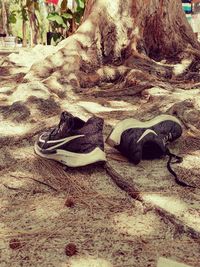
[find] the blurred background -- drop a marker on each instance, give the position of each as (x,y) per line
(31,22)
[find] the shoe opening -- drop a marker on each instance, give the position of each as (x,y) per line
(77,123)
(151,150)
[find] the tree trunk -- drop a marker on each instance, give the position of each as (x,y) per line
(157,27)
(34,25)
(121,42)
(34,28)
(24,41)
(4,17)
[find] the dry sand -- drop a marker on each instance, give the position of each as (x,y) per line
(45,207)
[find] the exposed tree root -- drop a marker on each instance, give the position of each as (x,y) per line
(181,227)
(188,114)
(119,49)
(135,193)
(136,74)
(130,189)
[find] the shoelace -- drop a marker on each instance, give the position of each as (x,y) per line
(167,138)
(53,131)
(178,160)
(49,136)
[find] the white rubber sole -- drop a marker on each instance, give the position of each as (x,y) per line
(115,135)
(71,159)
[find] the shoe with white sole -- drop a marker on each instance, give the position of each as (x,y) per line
(73,142)
(137,140)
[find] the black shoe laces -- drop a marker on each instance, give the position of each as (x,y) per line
(52,131)
(178,159)
(167,139)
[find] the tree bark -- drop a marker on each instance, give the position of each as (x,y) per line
(24,41)
(157,28)
(121,42)
(4,17)
(34,29)
(33,24)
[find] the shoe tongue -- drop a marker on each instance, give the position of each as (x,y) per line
(65,116)
(65,125)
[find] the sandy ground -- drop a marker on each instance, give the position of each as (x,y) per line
(45,207)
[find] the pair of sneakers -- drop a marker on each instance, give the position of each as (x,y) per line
(76,143)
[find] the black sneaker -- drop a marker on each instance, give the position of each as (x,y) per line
(144,140)
(147,140)
(73,142)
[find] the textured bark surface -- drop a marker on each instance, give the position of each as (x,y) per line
(133,44)
(157,28)
(4,17)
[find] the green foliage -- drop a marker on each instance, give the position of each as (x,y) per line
(23,13)
(12,17)
(54,16)
(59,20)
(79,10)
(24,7)
(57,37)
(80,4)
(67,16)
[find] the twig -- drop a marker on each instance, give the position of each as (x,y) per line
(40,182)
(11,188)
